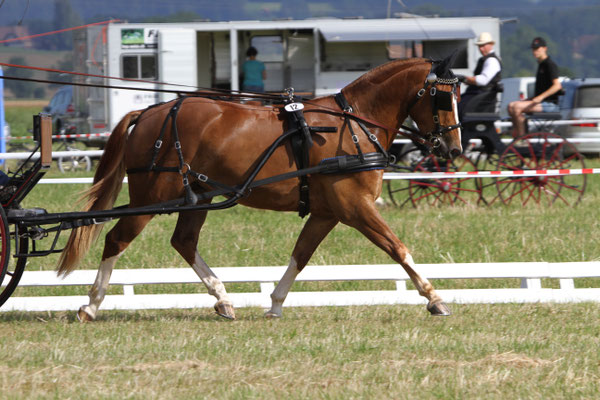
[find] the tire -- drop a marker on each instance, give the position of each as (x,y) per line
(12,269)
(4,245)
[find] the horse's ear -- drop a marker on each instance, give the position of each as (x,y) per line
(443,68)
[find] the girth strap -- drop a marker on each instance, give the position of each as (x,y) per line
(301,144)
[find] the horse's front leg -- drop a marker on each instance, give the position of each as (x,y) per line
(185,241)
(370,223)
(313,233)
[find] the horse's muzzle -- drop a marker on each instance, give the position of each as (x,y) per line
(455,152)
(449,152)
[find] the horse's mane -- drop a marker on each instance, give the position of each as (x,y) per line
(385,71)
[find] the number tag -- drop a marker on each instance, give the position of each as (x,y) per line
(294,107)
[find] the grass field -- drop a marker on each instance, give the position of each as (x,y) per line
(395,352)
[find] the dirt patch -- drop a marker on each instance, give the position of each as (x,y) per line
(143,367)
(507,359)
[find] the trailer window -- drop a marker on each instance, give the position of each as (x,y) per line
(139,66)
(270,48)
(405,49)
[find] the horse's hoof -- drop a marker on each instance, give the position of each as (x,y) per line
(439,309)
(272,315)
(83,316)
(225,310)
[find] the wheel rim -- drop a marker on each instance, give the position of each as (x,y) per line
(69,164)
(398,189)
(435,192)
(4,245)
(14,272)
(485,161)
(541,151)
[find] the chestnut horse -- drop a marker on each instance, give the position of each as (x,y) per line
(223,140)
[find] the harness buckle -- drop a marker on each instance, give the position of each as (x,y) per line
(372,137)
(290,93)
(178,145)
(433,91)
(436,119)
(421,92)
(355,139)
(158,144)
(202,178)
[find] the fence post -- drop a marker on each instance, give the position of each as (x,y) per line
(531,283)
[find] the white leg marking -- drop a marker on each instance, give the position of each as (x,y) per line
(213,284)
(455,109)
(282,289)
(423,282)
(100,286)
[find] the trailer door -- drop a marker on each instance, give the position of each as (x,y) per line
(177,60)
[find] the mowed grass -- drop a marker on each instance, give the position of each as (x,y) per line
(482,351)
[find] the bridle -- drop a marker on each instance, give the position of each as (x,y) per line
(440,100)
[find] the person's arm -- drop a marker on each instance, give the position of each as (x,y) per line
(490,68)
(556,86)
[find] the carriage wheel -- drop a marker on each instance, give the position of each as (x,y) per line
(74,164)
(4,245)
(539,151)
(12,268)
(398,188)
(443,191)
(485,161)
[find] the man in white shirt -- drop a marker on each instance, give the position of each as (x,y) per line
(486,76)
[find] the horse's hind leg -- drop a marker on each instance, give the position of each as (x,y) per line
(115,244)
(185,241)
(370,223)
(313,233)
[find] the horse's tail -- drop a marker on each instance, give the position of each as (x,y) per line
(108,180)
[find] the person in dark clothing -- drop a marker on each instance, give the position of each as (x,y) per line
(485,79)
(547,88)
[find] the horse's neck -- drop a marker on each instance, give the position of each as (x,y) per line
(386,99)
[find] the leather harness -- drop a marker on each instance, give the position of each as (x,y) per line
(299,133)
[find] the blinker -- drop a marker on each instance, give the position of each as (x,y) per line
(443,100)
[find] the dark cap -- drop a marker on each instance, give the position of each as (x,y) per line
(538,42)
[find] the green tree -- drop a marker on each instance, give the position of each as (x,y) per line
(517,58)
(20,89)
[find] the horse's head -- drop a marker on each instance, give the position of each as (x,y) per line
(435,110)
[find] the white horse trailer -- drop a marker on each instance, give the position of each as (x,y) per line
(316,56)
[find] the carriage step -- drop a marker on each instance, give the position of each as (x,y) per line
(28,212)
(544,115)
(480,116)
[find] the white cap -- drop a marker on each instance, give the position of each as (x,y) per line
(484,38)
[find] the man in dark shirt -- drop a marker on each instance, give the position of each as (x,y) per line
(547,87)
